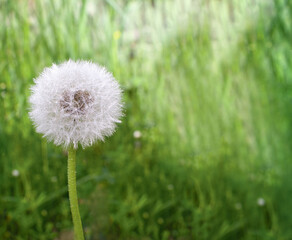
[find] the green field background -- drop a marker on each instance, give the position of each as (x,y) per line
(207,83)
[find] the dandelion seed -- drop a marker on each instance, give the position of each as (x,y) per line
(261,202)
(91,8)
(32,21)
(15,173)
(75,102)
(137,134)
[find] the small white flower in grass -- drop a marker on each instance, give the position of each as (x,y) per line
(75,102)
(15,173)
(137,134)
(261,202)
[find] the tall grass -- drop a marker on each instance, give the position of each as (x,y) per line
(208,84)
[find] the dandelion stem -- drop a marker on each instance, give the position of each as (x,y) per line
(78,231)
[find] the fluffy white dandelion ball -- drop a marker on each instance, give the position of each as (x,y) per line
(75,102)
(15,173)
(261,202)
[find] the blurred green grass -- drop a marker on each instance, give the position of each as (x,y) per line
(207,83)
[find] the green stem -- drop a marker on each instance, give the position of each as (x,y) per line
(78,231)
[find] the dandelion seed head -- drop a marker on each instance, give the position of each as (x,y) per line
(75,102)
(15,173)
(261,202)
(137,134)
